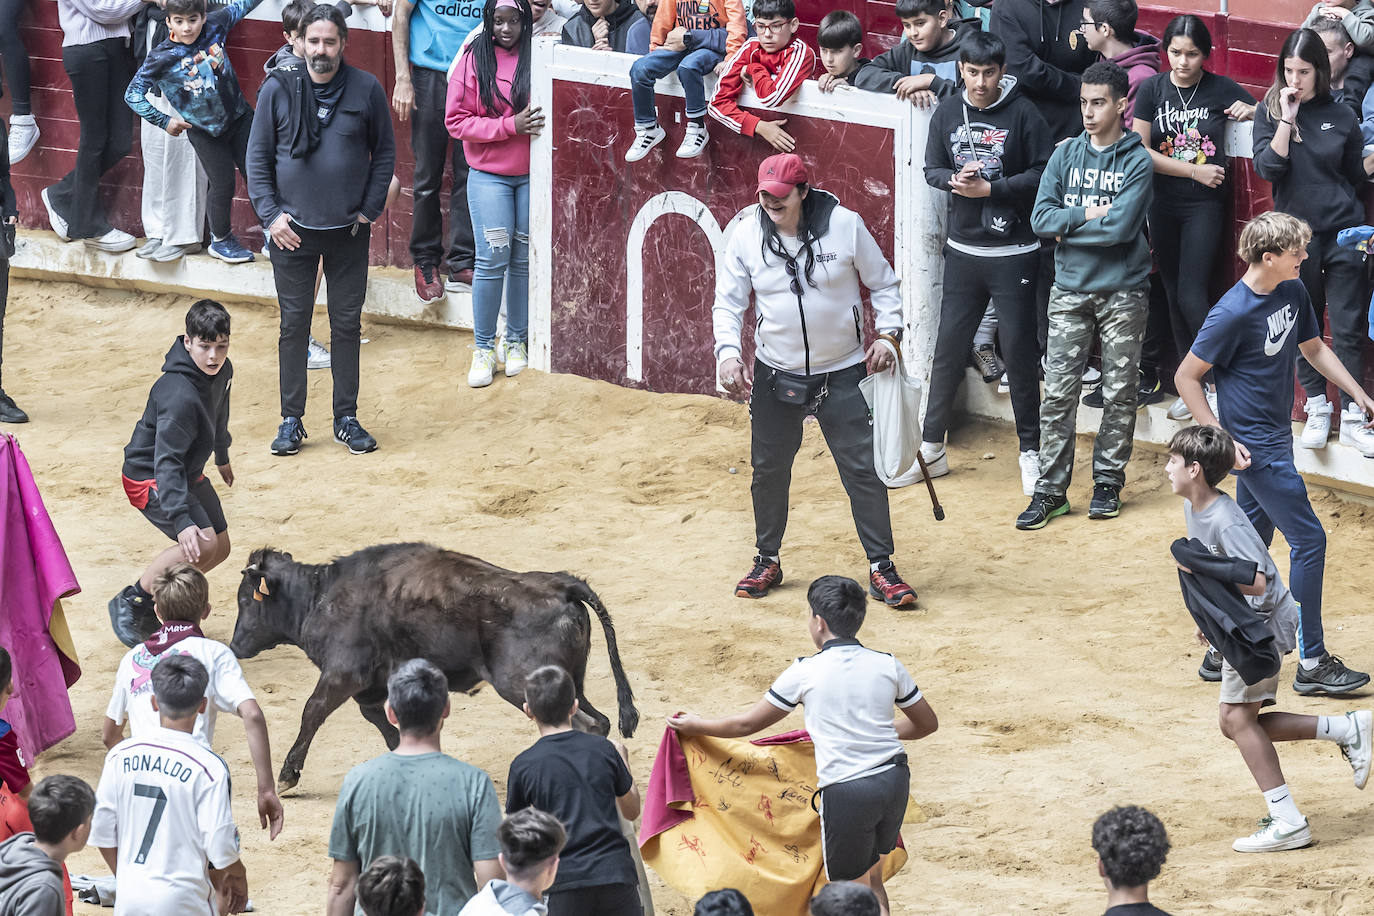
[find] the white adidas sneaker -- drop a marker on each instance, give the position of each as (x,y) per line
(693,141)
(645,140)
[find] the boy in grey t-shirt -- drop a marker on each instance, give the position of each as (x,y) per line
(1199,458)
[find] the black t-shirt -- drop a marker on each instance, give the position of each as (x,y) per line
(1135,909)
(1188,125)
(577,778)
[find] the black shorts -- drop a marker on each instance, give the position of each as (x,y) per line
(601,900)
(203,504)
(864,821)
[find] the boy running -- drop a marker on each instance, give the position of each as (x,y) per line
(1250,341)
(775,63)
(185,421)
(163,821)
(1200,458)
(847,692)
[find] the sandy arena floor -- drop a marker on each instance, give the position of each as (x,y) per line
(1061,663)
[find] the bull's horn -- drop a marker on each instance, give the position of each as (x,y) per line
(251,569)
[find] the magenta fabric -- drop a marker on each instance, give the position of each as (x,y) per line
(34,575)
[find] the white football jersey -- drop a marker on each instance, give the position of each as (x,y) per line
(133,690)
(163,800)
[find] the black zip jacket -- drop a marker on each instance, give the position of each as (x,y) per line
(896,62)
(1042,60)
(1013,143)
(186,420)
(1231,625)
(578,30)
(1318,179)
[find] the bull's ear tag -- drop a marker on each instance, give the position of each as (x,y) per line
(261,589)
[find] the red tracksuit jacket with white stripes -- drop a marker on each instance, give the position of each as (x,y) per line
(776,78)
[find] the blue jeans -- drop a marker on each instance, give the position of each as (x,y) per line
(500,208)
(691,67)
(1275,496)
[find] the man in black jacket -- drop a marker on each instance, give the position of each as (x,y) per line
(185,421)
(1047,54)
(987,146)
(602,24)
(317,183)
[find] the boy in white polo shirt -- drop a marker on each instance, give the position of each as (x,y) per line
(847,692)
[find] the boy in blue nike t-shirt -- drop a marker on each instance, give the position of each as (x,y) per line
(1250,343)
(191,69)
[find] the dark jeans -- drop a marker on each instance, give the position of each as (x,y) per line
(345,269)
(1185,235)
(1154,348)
(1012,284)
(776,436)
(219,156)
(4,300)
(16,56)
(99,72)
(1334,277)
(601,900)
(433,147)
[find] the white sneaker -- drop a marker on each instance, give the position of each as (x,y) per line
(1318,427)
(1274,836)
(1030,471)
(500,351)
(149,248)
(317,357)
(1092,376)
(59,225)
(517,358)
(645,140)
(1179,411)
(937,462)
(23,136)
(694,141)
(1003,386)
(482,369)
(1211,395)
(1353,432)
(1356,747)
(114,241)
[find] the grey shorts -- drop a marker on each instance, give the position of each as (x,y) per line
(861,820)
(1235,690)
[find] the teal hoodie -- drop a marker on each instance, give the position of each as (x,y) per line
(1108,253)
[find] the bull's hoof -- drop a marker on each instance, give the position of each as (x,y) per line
(286,781)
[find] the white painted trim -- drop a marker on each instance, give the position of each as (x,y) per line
(541,207)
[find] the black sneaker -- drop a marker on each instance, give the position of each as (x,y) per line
(1094,398)
(289,436)
(1042,508)
(1331,677)
(348,431)
(1210,669)
(984,359)
(1149,392)
(9,411)
(1106,501)
(131,617)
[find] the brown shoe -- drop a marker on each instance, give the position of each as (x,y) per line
(765,574)
(462,277)
(429,286)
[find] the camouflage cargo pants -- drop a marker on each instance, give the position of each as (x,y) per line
(1118,318)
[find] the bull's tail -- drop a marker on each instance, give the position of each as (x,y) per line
(625,698)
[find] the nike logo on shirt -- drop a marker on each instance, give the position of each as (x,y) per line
(1280,325)
(1327,125)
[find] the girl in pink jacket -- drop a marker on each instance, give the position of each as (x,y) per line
(489,110)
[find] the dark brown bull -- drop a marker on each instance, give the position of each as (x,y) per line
(362,615)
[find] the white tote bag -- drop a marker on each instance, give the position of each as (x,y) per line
(894,398)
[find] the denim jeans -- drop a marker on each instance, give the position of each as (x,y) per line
(500,208)
(691,67)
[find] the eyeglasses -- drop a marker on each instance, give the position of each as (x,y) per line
(790,266)
(1089,24)
(777,25)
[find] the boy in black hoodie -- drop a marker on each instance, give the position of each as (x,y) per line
(923,68)
(841,40)
(186,420)
(988,146)
(1047,54)
(31,863)
(602,24)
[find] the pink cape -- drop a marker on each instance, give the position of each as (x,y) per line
(34,576)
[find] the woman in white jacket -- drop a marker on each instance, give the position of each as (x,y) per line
(803,256)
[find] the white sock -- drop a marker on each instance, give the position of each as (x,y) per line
(1309,663)
(873,567)
(772,559)
(1282,807)
(1333,728)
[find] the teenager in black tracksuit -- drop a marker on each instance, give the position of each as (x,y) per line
(1307,145)
(988,146)
(1047,55)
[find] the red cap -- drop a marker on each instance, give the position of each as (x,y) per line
(779,174)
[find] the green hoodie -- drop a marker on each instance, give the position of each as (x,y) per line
(1108,253)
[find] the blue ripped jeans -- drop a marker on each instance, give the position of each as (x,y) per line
(691,67)
(500,208)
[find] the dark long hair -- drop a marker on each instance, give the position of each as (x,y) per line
(806,234)
(1306,45)
(1192,28)
(483,50)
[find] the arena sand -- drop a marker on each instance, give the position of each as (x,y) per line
(1061,663)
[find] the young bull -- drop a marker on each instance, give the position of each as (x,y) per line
(360,616)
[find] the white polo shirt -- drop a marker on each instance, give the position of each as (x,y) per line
(848,693)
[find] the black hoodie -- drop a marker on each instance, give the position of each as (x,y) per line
(186,420)
(902,60)
(30,881)
(578,30)
(1013,143)
(1040,56)
(1318,179)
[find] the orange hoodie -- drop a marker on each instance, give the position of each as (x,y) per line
(701,14)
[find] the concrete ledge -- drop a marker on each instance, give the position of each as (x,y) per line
(390,290)
(1337,466)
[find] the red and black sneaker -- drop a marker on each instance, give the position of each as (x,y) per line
(765,574)
(886,583)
